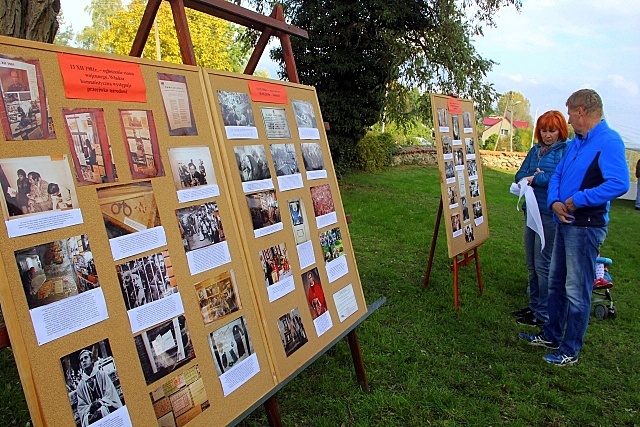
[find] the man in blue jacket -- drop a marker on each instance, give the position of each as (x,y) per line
(592,172)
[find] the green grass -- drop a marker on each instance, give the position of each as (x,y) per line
(428,365)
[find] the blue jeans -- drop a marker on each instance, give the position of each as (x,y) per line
(638,194)
(573,268)
(538,264)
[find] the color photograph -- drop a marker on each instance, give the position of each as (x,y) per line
(141,141)
(93,383)
(264,209)
(275,264)
(218,297)
(322,200)
(292,331)
(331,242)
(191,167)
(147,279)
(34,185)
(57,270)
(301,231)
(164,348)
(128,208)
(315,294)
(89,145)
(181,399)
(24,102)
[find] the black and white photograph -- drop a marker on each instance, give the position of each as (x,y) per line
(164,348)
(292,331)
(57,270)
(474,188)
(312,156)
(468,234)
(465,209)
(472,169)
(305,116)
(252,162)
(230,345)
(471,148)
(455,124)
(24,102)
(443,120)
(218,297)
(93,383)
(455,224)
(236,109)
(146,279)
(276,124)
(200,226)
(191,167)
(466,120)
(447,150)
(477,209)
(285,159)
(458,157)
(33,185)
(449,172)
(452,195)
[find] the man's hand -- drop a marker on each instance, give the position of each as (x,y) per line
(562,212)
(569,204)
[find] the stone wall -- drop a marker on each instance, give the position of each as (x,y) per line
(428,156)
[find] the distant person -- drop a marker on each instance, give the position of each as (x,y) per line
(97,396)
(592,172)
(541,161)
(638,186)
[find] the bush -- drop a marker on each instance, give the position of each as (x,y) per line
(375,151)
(490,143)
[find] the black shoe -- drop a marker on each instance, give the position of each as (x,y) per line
(530,320)
(522,312)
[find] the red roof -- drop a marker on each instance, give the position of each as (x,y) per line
(490,121)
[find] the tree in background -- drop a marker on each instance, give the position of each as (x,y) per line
(114,28)
(65,34)
(31,20)
(358,51)
(516,102)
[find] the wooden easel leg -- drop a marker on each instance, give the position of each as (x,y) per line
(150,12)
(273,413)
(456,302)
(478,272)
(358,363)
(432,251)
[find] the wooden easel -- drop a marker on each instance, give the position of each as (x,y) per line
(467,256)
(272,25)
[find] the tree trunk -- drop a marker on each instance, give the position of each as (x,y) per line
(30,19)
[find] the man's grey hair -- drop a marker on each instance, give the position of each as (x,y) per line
(587,99)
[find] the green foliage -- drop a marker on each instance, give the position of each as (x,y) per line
(375,151)
(357,53)
(490,143)
(522,139)
(65,35)
(515,102)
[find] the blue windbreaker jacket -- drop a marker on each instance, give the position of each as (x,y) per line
(593,171)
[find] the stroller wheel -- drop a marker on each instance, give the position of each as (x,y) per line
(600,311)
(613,313)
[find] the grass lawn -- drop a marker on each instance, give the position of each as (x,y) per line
(427,365)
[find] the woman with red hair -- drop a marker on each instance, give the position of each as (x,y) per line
(541,161)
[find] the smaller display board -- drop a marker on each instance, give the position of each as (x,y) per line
(460,166)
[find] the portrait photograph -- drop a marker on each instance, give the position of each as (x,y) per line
(275,264)
(177,104)
(455,222)
(322,200)
(146,279)
(200,226)
(465,209)
(305,115)
(164,348)
(292,331)
(141,142)
(466,120)
(180,399)
(230,345)
(24,102)
(252,162)
(92,383)
(312,156)
(331,242)
(57,270)
(36,185)
(191,167)
(314,292)
(89,145)
(468,234)
(285,160)
(218,297)
(128,208)
(455,122)
(236,109)
(264,210)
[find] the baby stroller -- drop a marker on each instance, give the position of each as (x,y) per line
(601,298)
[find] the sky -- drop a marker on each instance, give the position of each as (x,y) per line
(548,50)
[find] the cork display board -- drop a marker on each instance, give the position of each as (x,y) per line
(134,263)
(174,239)
(297,242)
(460,166)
